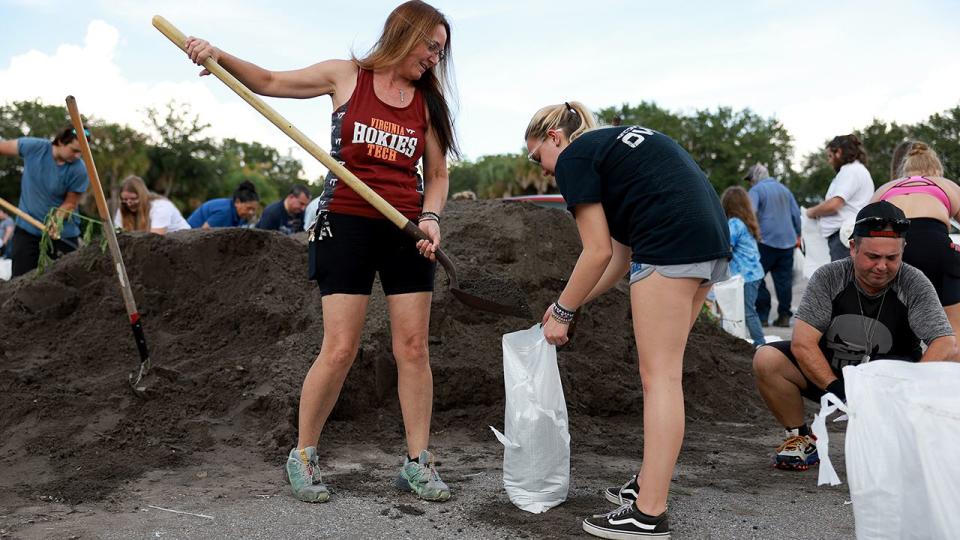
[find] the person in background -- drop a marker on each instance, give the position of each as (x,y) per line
(7,226)
(237,211)
(744,235)
(54,177)
(849,191)
(897,157)
(143,210)
(867,306)
(390,114)
(286,215)
(642,205)
(929,200)
(779,216)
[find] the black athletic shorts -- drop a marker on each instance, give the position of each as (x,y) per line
(352,249)
(812,391)
(930,250)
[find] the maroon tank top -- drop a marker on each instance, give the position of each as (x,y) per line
(380,144)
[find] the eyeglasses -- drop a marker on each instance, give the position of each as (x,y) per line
(85,131)
(532,157)
(129,200)
(434,47)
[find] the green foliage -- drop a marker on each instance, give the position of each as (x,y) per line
(941,131)
(176,160)
(724,142)
(501,175)
(25,119)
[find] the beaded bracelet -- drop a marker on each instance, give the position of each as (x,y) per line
(429,216)
(561,314)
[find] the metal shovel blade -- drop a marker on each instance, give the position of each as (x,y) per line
(480,292)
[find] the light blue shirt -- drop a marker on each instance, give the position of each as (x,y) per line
(778,213)
(45,184)
(746,255)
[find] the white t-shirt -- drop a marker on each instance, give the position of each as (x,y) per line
(855,186)
(163,215)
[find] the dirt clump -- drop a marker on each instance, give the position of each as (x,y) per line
(233,312)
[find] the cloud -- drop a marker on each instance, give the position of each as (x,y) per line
(89,73)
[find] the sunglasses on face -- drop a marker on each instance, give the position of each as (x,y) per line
(534,158)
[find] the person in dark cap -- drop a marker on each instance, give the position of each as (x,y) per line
(779,216)
(860,308)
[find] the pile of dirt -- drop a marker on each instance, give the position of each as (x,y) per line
(232,311)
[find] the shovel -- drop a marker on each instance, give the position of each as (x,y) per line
(460,290)
(137,379)
(31,220)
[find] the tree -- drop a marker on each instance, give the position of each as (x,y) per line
(724,142)
(182,161)
(26,119)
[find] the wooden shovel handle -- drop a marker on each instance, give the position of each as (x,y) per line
(104,211)
(26,217)
(341,172)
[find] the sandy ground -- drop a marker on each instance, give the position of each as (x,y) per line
(232,311)
(724,488)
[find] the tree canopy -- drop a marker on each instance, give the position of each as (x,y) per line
(174,156)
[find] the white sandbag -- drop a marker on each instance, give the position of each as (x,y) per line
(733,318)
(799,263)
(901,448)
(817,253)
(536,442)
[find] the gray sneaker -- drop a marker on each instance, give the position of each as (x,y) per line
(421,477)
(304,474)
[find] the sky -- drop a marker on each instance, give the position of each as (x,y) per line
(821,68)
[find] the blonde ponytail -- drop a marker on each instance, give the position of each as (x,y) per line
(572,117)
(921,160)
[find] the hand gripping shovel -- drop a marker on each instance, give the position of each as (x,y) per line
(31,220)
(137,379)
(517,307)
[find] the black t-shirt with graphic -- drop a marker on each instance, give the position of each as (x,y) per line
(888,325)
(655,197)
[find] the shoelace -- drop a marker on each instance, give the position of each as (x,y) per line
(793,443)
(624,509)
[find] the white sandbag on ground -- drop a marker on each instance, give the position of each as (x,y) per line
(536,442)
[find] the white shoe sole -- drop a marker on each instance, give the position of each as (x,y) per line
(617,535)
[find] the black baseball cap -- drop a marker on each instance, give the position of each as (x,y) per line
(880,220)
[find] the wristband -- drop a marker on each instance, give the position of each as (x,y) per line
(429,216)
(561,314)
(838,389)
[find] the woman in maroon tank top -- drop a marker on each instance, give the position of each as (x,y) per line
(390,110)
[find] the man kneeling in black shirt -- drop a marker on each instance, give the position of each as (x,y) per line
(854,310)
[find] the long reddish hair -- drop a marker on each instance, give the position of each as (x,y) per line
(736,203)
(406,27)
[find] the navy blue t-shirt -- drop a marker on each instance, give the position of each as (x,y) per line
(656,198)
(276,218)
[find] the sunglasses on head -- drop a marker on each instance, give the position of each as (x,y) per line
(879,224)
(86,131)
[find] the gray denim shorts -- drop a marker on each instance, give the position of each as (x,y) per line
(709,272)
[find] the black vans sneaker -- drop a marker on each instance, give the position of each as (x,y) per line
(626,523)
(627,493)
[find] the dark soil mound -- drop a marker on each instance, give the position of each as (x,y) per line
(231,311)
